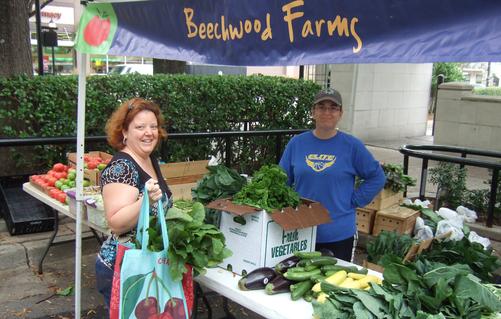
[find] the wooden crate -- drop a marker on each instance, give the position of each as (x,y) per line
(385,198)
(395,218)
(184,172)
(372,266)
(365,220)
(92,175)
(182,191)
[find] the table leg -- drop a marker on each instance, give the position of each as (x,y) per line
(200,294)
(96,235)
(227,309)
(51,240)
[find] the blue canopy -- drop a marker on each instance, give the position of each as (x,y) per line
(272,32)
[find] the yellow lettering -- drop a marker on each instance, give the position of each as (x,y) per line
(217,35)
(340,25)
(257,26)
(224,31)
(307,29)
(267,31)
(210,30)
(236,33)
(188,14)
(248,26)
(318,26)
(201,30)
(289,16)
(355,35)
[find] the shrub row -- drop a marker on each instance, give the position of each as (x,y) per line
(47,106)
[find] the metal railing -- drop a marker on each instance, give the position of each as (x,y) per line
(423,152)
(227,136)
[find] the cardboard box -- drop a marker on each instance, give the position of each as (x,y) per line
(385,198)
(365,220)
(92,175)
(260,239)
(183,176)
(395,218)
(184,172)
(182,191)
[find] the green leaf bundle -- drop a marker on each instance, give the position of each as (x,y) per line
(191,241)
(268,190)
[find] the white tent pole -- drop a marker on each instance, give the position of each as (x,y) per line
(81,58)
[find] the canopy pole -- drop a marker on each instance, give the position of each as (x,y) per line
(82,73)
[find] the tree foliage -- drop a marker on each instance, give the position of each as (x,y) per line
(452,73)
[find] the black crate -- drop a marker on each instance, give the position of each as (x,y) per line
(23,213)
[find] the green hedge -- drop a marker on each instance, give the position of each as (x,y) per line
(46,107)
(491,91)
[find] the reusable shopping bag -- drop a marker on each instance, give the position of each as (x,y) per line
(146,286)
(115,286)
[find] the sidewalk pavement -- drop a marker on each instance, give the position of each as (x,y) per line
(26,294)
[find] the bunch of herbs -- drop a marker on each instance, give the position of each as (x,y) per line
(268,190)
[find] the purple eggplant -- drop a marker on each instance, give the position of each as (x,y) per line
(287,263)
(278,285)
(257,279)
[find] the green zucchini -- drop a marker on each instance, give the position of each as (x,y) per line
(301,276)
(323,261)
(300,288)
(307,254)
(335,268)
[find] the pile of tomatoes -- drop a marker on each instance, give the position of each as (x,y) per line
(47,182)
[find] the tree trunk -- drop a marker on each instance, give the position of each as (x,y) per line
(15,46)
(168,66)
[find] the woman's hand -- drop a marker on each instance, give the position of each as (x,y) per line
(153,189)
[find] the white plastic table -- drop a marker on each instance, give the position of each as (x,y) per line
(278,306)
(63,209)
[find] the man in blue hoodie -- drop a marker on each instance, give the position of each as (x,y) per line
(322,165)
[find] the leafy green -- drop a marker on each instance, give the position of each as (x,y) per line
(396,180)
(268,190)
(483,262)
(388,244)
(220,182)
(191,241)
(421,290)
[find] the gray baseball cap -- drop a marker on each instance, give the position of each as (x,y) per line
(328,94)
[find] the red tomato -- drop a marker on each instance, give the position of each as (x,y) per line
(53,193)
(97,30)
(62,197)
(58,167)
(92,164)
(51,180)
(51,172)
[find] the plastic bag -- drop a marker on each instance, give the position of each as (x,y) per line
(213,161)
(473,237)
(451,216)
(421,231)
(417,202)
(445,226)
(470,216)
